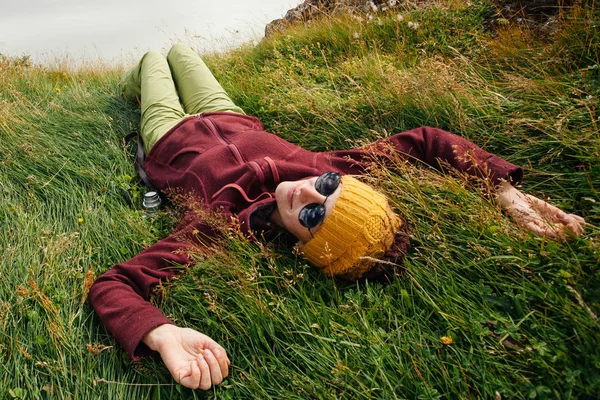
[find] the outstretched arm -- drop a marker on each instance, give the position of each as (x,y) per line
(439,148)
(120,299)
(435,147)
(537,215)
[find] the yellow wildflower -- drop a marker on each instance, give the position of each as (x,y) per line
(446,340)
(80,220)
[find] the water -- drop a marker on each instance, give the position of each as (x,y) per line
(122,30)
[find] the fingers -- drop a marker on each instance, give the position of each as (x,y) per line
(216,374)
(205,380)
(195,360)
(543,230)
(558,229)
(556,223)
(221,356)
(203,372)
(575,227)
(190,380)
(576,224)
(572,222)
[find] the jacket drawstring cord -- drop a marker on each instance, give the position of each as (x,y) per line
(241,191)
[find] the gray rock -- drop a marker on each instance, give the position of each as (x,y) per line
(309,9)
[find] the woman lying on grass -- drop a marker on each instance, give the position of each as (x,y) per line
(203,145)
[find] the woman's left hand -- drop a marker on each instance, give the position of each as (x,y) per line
(537,215)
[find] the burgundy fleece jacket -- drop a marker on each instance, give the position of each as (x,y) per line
(233,165)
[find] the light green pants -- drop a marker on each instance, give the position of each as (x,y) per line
(171,89)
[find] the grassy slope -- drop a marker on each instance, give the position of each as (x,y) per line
(521,310)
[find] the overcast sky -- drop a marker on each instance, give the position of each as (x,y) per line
(122,30)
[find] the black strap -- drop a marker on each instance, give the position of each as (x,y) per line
(140,157)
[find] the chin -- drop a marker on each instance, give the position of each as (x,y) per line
(281,195)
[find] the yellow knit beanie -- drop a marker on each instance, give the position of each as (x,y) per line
(360,228)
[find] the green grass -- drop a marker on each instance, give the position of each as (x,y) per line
(522,311)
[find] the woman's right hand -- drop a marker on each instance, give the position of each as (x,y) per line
(193,359)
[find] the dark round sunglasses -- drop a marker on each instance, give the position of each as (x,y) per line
(313,214)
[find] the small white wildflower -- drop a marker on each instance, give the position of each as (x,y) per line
(392,3)
(379,22)
(413,25)
(399,17)
(356,35)
(373,6)
(370,17)
(410,24)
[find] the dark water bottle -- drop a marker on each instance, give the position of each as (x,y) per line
(151,203)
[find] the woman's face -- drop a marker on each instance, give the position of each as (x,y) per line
(292,197)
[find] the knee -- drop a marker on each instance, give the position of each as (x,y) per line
(181,52)
(152,55)
(179,48)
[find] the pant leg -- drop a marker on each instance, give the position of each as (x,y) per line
(198,89)
(152,82)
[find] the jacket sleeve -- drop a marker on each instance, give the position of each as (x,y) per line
(120,296)
(437,148)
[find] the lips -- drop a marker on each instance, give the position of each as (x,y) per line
(291,196)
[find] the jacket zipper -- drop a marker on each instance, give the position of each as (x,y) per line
(213,129)
(232,147)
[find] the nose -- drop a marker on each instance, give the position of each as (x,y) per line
(308,194)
